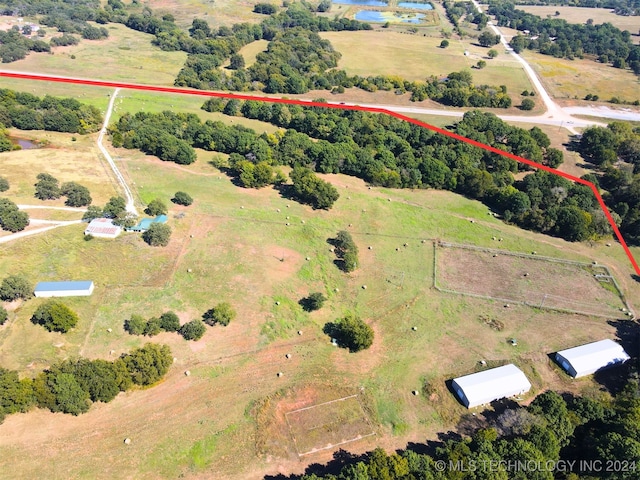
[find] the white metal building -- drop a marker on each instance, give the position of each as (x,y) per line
(589,358)
(103,228)
(485,387)
(64,289)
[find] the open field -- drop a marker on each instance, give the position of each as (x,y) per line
(249,52)
(415,57)
(126,55)
(569,79)
(581,15)
(528,279)
(228,418)
(220,12)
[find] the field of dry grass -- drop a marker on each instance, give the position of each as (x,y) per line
(262,253)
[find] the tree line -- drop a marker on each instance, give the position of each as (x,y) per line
(566,430)
(557,37)
(615,151)
(620,7)
(25,111)
(72,385)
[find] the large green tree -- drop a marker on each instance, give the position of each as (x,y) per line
(158,234)
(55,316)
(14,287)
(351,332)
(193,330)
(221,314)
(148,364)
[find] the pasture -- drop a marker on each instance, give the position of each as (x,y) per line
(415,57)
(263,252)
(573,79)
(127,55)
(580,15)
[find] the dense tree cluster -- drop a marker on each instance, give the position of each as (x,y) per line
(12,218)
(550,430)
(15,46)
(311,189)
(346,250)
(615,150)
(48,188)
(55,316)
(350,332)
(28,112)
(167,322)
(14,287)
(157,235)
(557,37)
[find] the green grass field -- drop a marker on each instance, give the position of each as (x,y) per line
(226,420)
(126,56)
(415,57)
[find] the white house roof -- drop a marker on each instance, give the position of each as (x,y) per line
(589,358)
(485,387)
(102,226)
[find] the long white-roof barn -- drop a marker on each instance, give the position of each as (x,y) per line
(485,387)
(589,358)
(64,289)
(103,228)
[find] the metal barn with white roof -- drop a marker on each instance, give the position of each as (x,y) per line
(102,228)
(485,387)
(64,289)
(589,358)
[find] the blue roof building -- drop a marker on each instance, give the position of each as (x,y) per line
(145,223)
(64,289)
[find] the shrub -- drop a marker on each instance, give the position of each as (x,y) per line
(313,302)
(153,327)
(4,184)
(527,104)
(135,325)
(169,322)
(221,314)
(444,43)
(193,330)
(182,198)
(55,316)
(3,315)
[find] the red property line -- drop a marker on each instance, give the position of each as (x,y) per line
(204,93)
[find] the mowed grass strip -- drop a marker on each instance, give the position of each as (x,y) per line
(127,55)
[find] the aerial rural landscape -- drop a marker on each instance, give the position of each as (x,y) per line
(319,240)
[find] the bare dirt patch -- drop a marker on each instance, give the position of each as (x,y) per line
(528,279)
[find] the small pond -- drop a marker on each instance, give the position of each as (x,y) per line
(416,6)
(366,3)
(392,17)
(25,144)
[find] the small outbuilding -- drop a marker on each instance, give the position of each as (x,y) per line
(102,228)
(485,387)
(145,223)
(64,289)
(589,358)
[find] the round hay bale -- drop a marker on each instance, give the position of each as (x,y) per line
(351,224)
(175,359)
(111,352)
(364,210)
(279,374)
(287,206)
(299,332)
(337,290)
(397,249)
(189,270)
(506,305)
(370,247)
(191,236)
(495,255)
(364,287)
(187,373)
(302,221)
(424,241)
(388,199)
(288,355)
(287,218)
(278,210)
(406,244)
(472,221)
(500,239)
(526,274)
(308,258)
(415,393)
(534,252)
(608,244)
(242,206)
(109,330)
(127,441)
(287,224)
(277,303)
(415,329)
(493,238)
